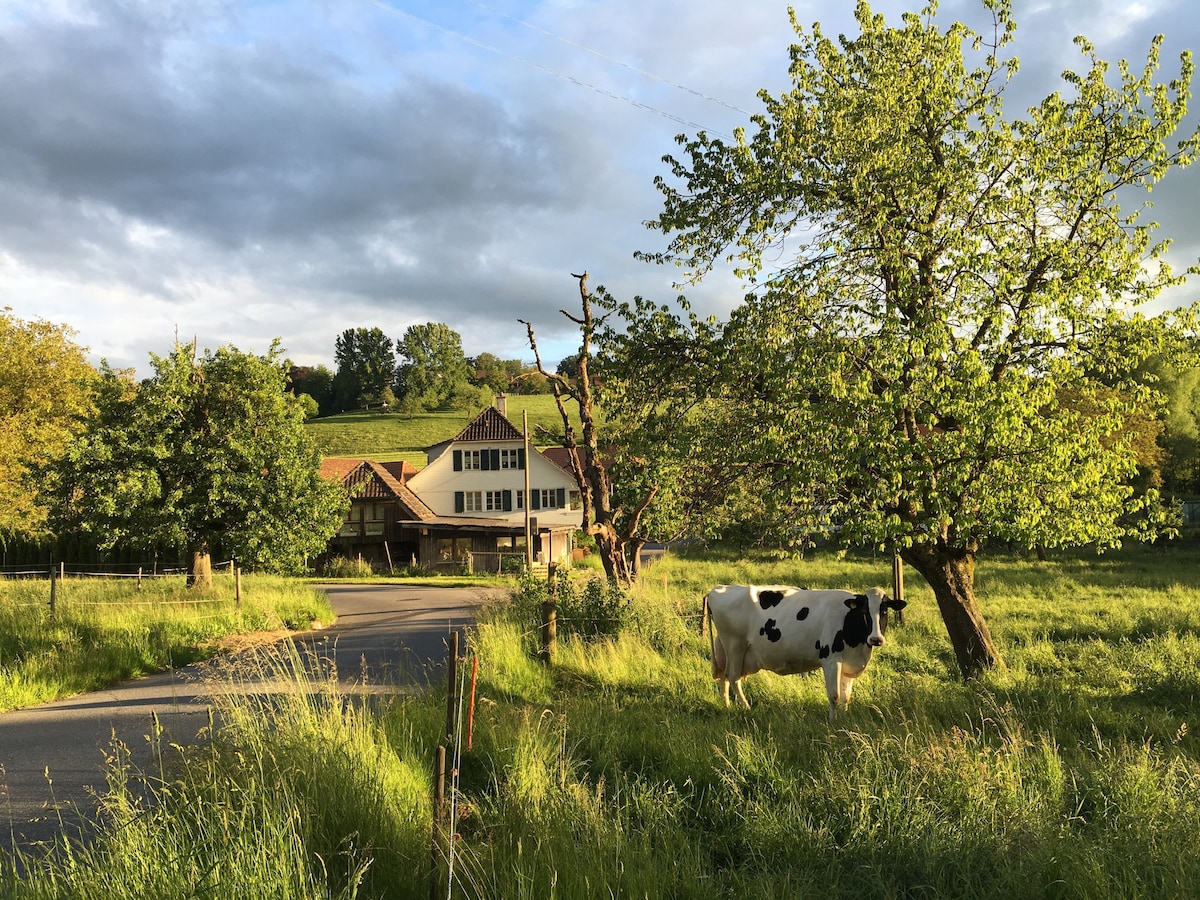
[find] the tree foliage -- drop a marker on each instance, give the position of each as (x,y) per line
(45,386)
(937,348)
(206,454)
(433,372)
(366,368)
(317,382)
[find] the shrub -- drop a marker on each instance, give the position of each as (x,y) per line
(340,567)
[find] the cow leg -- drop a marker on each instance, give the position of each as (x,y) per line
(847,687)
(833,685)
(734,663)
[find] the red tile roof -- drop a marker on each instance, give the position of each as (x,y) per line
(376,480)
(489,425)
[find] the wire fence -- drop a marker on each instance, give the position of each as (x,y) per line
(60,579)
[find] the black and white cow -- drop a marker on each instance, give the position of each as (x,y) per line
(788,630)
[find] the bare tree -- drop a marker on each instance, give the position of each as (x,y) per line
(615,526)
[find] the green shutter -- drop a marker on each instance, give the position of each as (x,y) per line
(460,502)
(535,498)
(458,461)
(521,458)
(561,497)
(495,455)
(507,501)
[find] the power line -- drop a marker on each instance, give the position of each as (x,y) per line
(638,104)
(611,59)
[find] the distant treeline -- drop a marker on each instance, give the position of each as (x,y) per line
(425,369)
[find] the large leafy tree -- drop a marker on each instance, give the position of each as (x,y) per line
(433,372)
(45,386)
(931,355)
(207,453)
(366,367)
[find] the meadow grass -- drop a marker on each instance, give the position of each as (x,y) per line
(1074,771)
(102,632)
(405,436)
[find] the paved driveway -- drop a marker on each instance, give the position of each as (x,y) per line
(52,756)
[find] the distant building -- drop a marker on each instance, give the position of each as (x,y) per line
(468,508)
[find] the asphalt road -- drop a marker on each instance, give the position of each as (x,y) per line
(52,757)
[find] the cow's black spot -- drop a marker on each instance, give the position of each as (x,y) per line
(838,643)
(768,599)
(772,633)
(802,614)
(856,627)
(822,651)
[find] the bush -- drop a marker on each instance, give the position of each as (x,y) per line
(340,567)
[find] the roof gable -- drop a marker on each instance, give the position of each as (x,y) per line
(490,425)
(370,480)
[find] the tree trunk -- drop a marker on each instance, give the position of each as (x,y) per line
(950,572)
(200,574)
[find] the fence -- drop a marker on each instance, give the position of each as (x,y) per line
(56,574)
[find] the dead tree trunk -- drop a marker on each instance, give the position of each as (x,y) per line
(612,525)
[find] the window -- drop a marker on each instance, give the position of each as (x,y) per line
(473,501)
(512,459)
(494,500)
(520,499)
(576,500)
(470,459)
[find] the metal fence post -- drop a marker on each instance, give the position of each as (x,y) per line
(53,590)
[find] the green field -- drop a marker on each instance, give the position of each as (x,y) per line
(385,437)
(1073,772)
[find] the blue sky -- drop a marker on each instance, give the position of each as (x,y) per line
(237,171)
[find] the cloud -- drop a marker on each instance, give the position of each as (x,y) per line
(244,170)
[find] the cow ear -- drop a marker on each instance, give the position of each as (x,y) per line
(896,604)
(858,601)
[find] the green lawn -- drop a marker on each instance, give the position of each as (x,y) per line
(1073,772)
(399,436)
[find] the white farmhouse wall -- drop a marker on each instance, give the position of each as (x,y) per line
(438,483)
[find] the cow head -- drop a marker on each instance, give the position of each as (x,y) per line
(867,616)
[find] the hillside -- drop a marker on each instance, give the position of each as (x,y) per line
(400,436)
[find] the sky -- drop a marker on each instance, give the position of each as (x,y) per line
(236,171)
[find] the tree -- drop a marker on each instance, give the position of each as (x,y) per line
(317,382)
(45,386)
(208,453)
(366,361)
(632,467)
(935,288)
(433,372)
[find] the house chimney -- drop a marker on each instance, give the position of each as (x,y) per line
(502,404)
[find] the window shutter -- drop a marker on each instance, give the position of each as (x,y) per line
(521,458)
(535,498)
(459,502)
(457,460)
(506,505)
(561,497)
(495,455)
(485,460)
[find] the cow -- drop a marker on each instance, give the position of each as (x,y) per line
(789,630)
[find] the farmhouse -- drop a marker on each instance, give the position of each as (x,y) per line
(468,508)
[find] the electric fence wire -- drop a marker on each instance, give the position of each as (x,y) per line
(637,104)
(457,761)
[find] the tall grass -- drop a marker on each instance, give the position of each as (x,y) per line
(102,632)
(1072,772)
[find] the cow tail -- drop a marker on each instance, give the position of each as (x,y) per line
(716,649)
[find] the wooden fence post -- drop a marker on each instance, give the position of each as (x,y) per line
(452,687)
(53,590)
(549,631)
(237,585)
(438,830)
(898,585)
(139,578)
